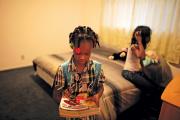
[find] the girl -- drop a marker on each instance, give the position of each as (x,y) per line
(80,74)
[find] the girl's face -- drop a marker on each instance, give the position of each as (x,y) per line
(82,54)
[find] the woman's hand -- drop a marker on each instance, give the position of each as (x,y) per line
(134,47)
(138,37)
(138,50)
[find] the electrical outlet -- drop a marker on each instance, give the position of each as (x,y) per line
(22,57)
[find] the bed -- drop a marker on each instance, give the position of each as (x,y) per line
(119,94)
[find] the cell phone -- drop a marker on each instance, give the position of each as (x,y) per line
(134,41)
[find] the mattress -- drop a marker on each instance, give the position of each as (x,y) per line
(119,94)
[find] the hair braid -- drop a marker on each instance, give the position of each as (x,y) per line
(82,33)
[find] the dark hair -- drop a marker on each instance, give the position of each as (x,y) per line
(82,33)
(145,34)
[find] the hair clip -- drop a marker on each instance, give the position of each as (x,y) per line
(77,50)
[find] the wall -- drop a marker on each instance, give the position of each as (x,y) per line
(31,28)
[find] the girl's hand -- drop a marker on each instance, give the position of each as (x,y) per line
(66,94)
(95,98)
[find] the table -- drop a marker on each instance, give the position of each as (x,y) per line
(170,109)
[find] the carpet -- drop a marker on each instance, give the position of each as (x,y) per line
(25,96)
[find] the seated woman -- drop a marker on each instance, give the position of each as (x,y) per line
(136,58)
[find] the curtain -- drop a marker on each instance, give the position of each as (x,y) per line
(121,17)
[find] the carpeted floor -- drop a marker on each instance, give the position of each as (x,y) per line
(25,97)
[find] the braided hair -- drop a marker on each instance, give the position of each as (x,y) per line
(82,33)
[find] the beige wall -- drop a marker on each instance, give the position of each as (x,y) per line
(31,28)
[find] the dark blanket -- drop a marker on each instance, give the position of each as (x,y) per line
(159,73)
